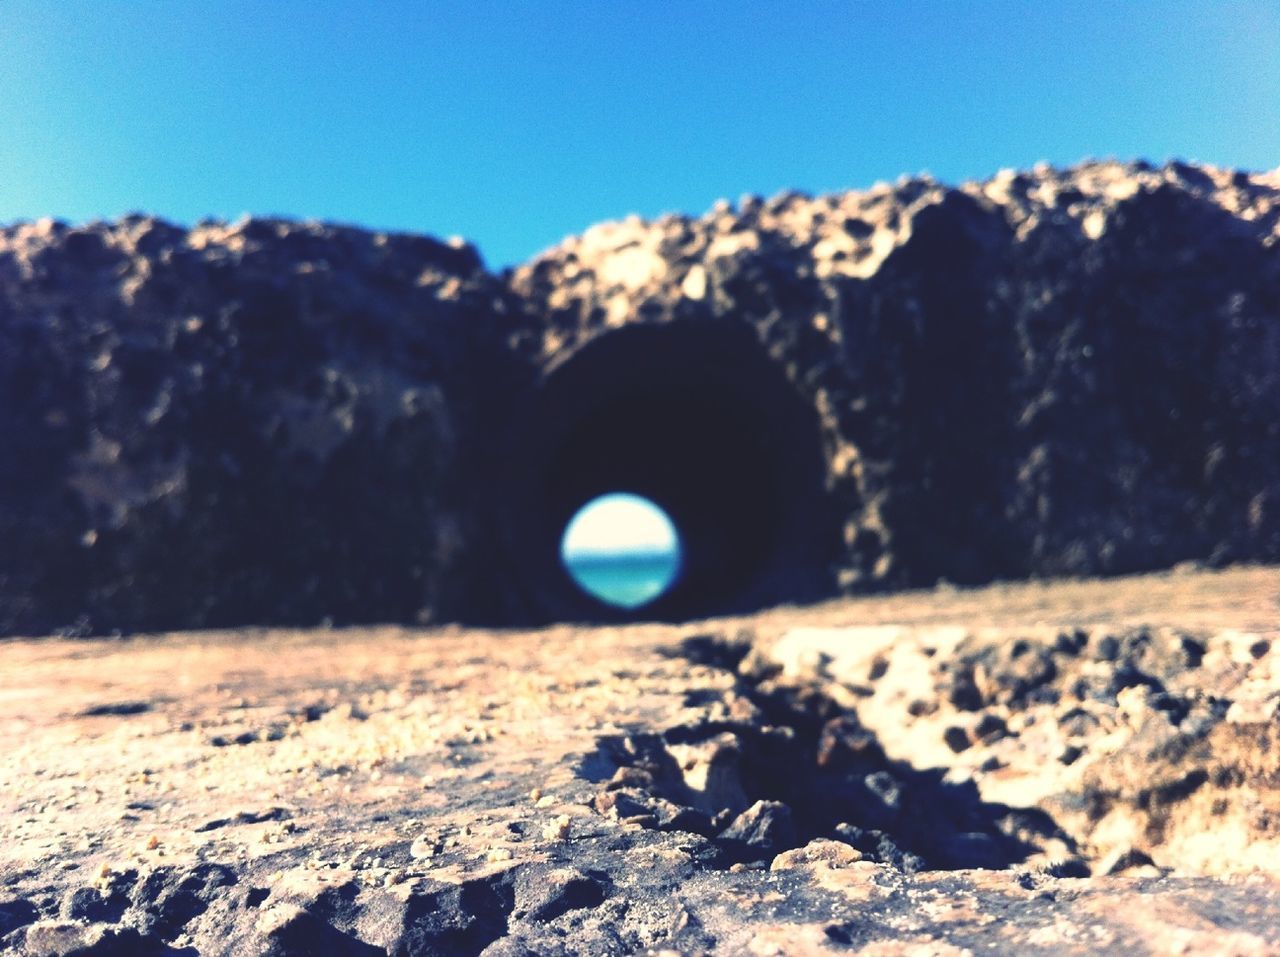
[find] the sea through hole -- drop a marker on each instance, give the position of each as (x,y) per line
(622,549)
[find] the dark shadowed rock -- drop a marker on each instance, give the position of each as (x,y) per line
(168,898)
(290,931)
(1067,371)
(15,914)
(94,904)
(62,939)
(267,421)
(762,830)
(543,895)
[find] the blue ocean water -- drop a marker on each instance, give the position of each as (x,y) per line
(627,580)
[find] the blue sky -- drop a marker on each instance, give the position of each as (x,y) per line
(515,124)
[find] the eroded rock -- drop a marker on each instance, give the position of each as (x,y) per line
(538,793)
(1063,371)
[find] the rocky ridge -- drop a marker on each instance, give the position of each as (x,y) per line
(1108,330)
(1057,372)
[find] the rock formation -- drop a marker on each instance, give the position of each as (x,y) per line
(1061,372)
(1073,768)
(260,422)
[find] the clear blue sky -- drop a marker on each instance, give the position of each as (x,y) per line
(514,124)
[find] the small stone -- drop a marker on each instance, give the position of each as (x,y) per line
(765,827)
(629,777)
(956,738)
(887,790)
(819,851)
(991,727)
(1067,867)
(694,284)
(558,829)
(424,847)
(350,711)
(1125,859)
(843,742)
(633,806)
(964,694)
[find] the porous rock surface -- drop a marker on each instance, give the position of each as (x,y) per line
(1054,372)
(265,421)
(1066,768)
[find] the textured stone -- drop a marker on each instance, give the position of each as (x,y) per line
(394,741)
(1063,371)
(762,830)
(60,939)
(257,422)
(818,851)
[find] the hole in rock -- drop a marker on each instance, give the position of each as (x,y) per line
(622,549)
(694,416)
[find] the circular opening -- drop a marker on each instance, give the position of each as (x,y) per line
(698,418)
(621,549)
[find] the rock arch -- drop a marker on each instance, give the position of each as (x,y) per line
(269,422)
(693,415)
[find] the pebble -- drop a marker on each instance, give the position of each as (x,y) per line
(956,738)
(1128,860)
(822,850)
(558,829)
(423,847)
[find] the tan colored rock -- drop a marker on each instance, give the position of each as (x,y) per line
(282,772)
(821,851)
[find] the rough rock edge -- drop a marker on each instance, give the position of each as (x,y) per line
(506,854)
(1111,330)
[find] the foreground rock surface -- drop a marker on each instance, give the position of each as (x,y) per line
(1055,372)
(1073,767)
